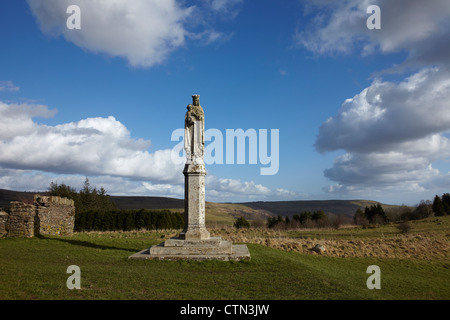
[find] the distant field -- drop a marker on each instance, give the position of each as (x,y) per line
(226,213)
(416,266)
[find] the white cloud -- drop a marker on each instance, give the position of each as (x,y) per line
(223,189)
(387,114)
(8,86)
(93,146)
(217,189)
(286,194)
(33,154)
(16,120)
(23,180)
(144,32)
(165,189)
(381,169)
(235,187)
(392,132)
(421,29)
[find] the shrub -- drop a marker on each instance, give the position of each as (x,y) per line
(241,223)
(375,214)
(273,221)
(404,227)
(360,218)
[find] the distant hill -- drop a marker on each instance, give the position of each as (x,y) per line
(289,208)
(132,202)
(222,213)
(228,212)
(6,196)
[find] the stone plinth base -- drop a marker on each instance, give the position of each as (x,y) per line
(207,249)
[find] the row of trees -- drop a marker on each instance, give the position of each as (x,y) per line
(305,219)
(127,220)
(87,199)
(95,210)
(374,214)
(441,205)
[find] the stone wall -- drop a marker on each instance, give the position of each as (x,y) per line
(55,215)
(4,217)
(47,216)
(21,220)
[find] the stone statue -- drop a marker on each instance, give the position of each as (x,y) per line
(195,241)
(194,132)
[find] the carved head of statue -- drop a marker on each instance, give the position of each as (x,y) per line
(196,99)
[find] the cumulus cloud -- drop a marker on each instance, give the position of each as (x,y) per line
(165,189)
(144,32)
(420,29)
(236,186)
(381,169)
(221,189)
(93,146)
(217,189)
(225,189)
(392,132)
(387,114)
(33,154)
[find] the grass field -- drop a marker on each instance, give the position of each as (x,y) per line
(282,266)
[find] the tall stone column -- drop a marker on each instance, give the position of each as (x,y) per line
(194,203)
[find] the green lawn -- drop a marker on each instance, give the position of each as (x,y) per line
(36,269)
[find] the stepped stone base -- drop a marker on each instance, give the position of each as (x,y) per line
(213,248)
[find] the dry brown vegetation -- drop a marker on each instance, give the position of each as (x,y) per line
(426,241)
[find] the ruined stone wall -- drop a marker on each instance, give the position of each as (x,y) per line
(54,215)
(47,216)
(21,220)
(4,217)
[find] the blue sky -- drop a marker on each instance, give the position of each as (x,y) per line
(361,114)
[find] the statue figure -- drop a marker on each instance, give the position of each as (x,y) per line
(194,132)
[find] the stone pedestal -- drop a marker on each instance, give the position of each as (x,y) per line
(213,248)
(194,203)
(194,242)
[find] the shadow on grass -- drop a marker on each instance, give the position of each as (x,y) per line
(86,244)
